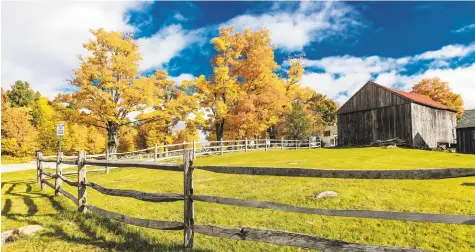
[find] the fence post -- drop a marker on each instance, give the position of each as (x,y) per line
(155,153)
(189,214)
(166,150)
(282,143)
(59,171)
(39,172)
(222,151)
(37,167)
(194,148)
(245,146)
(295,145)
(308,147)
(82,193)
(265,144)
(107,158)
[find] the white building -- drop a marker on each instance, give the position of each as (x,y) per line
(329,135)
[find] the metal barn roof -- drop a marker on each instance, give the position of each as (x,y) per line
(468,119)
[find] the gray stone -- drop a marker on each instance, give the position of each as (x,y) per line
(8,236)
(29,230)
(326,194)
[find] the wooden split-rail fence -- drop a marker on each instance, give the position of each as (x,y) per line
(170,151)
(241,233)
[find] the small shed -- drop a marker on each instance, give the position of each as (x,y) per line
(466,132)
(377,112)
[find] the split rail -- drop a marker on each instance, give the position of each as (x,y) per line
(241,233)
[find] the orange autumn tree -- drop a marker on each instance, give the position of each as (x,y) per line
(262,92)
(218,95)
(109,86)
(244,96)
(440,91)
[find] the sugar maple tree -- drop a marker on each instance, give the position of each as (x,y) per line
(109,86)
(218,94)
(173,103)
(244,95)
(440,91)
(262,93)
(18,135)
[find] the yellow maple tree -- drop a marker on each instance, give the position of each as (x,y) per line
(109,86)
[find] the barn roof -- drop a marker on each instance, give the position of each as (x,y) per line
(417,98)
(468,119)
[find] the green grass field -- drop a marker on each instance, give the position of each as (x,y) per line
(16,160)
(23,203)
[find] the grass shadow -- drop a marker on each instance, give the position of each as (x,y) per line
(7,207)
(25,196)
(467,184)
(95,230)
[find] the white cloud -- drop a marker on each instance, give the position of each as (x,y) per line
(447,52)
(167,43)
(342,76)
(345,64)
(292,30)
(42,44)
(467,28)
(179,17)
(182,77)
(41,41)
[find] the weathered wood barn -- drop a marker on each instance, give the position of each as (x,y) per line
(376,112)
(466,132)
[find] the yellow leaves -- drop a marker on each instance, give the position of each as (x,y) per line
(295,73)
(221,109)
(128,139)
(109,84)
(18,135)
(172,104)
(219,44)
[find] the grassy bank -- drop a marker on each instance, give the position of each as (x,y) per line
(16,160)
(23,203)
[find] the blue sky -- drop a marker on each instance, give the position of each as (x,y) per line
(345,43)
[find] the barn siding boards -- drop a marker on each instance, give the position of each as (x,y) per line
(371,96)
(466,140)
(431,126)
(378,113)
(364,127)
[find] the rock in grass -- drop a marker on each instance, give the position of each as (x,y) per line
(326,194)
(29,230)
(8,236)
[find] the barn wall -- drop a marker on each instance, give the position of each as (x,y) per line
(431,126)
(364,127)
(371,96)
(465,140)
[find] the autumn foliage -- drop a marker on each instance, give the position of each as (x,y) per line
(115,107)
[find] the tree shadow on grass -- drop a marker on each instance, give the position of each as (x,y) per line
(93,227)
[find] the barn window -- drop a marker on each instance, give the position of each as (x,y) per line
(326,133)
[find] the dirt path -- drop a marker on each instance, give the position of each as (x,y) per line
(26,166)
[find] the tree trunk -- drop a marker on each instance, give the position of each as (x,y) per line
(219,130)
(272,130)
(112,138)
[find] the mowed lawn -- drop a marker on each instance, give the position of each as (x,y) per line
(23,203)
